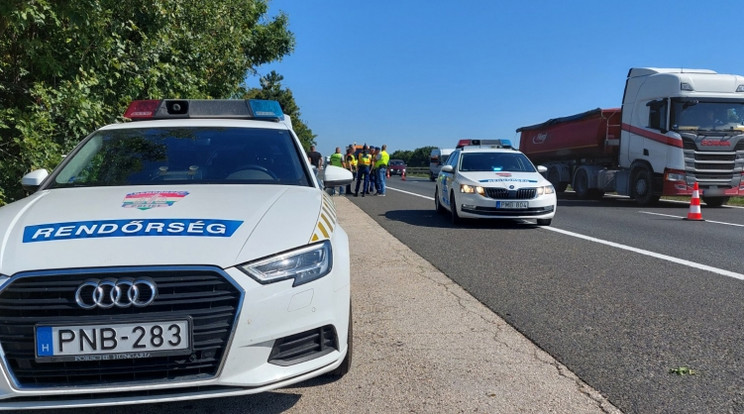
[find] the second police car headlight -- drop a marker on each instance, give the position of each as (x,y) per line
(471,189)
(303,265)
(548,189)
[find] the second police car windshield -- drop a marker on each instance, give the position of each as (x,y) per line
(184,155)
(495,161)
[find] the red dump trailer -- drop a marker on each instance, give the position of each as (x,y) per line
(592,134)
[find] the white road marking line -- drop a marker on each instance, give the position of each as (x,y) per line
(672,259)
(707,221)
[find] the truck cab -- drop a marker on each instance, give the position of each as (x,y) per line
(681,126)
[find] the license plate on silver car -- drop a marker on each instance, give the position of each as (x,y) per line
(512,204)
(112,341)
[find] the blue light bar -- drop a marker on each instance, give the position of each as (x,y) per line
(262,108)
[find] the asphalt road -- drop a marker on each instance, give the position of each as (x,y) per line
(642,305)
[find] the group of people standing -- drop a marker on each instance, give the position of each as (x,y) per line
(369,167)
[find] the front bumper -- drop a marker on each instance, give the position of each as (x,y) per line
(477,206)
(241,335)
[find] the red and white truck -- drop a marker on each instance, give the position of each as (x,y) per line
(676,127)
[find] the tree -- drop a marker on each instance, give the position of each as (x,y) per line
(271,88)
(67,68)
(420,157)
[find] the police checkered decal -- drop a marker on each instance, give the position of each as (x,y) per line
(326,220)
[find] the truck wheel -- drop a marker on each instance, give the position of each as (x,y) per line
(453,210)
(437,205)
(555,178)
(715,201)
(581,184)
(643,190)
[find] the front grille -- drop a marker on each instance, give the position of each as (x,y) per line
(714,168)
(504,193)
(304,346)
(203,294)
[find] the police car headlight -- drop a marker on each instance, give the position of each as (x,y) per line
(548,189)
(471,189)
(303,265)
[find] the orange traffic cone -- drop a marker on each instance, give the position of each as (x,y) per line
(403,177)
(388,172)
(695,213)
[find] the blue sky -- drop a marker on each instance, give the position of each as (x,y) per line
(417,73)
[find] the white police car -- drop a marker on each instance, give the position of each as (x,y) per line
(492,180)
(190,254)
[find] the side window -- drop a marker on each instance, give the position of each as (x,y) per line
(453,158)
(657,114)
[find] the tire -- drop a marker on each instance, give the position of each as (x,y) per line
(544,222)
(715,201)
(581,184)
(438,205)
(555,178)
(642,189)
(432,177)
(343,369)
(453,210)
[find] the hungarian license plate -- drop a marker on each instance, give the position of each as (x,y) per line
(112,341)
(512,204)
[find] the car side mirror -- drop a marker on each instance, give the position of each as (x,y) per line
(33,180)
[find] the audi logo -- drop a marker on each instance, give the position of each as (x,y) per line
(122,293)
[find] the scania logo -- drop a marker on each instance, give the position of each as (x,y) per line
(122,293)
(714,143)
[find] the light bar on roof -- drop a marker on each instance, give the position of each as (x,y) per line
(496,143)
(205,108)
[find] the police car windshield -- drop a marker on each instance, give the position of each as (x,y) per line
(495,161)
(184,156)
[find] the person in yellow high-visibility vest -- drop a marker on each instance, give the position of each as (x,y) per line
(381,165)
(364,163)
(351,164)
(337,159)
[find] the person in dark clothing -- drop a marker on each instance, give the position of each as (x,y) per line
(316,159)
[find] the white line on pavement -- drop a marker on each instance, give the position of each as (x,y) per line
(672,259)
(707,221)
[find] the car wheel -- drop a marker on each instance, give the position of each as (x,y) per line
(437,204)
(343,369)
(453,210)
(544,222)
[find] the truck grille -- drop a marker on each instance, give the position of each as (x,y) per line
(203,294)
(720,169)
(503,193)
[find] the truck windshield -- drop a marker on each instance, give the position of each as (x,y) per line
(702,115)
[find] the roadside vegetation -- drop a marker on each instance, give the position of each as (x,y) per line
(67,68)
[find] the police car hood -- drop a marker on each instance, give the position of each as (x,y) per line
(504,179)
(219,225)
